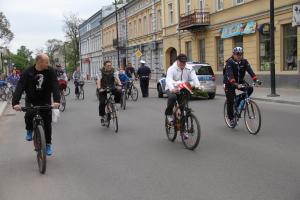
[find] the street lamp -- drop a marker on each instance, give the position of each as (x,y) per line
(272,51)
(117,30)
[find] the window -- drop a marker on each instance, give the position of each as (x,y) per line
(130,29)
(171,13)
(135,28)
(220,54)
(201,5)
(220,4)
(188,49)
(151,23)
(264,51)
(159,20)
(289,47)
(237,2)
(188,6)
(140,26)
(202,50)
(238,41)
(145,25)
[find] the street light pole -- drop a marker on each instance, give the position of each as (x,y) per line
(272,51)
(117,30)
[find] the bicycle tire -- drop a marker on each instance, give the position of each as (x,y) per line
(134,93)
(81,94)
(247,116)
(227,121)
(171,131)
(115,118)
(191,133)
(123,100)
(107,114)
(67,91)
(40,147)
(63,102)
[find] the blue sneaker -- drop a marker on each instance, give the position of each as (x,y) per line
(29,136)
(49,149)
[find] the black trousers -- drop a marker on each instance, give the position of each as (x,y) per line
(47,119)
(102,98)
(144,83)
(76,83)
(230,95)
(172,98)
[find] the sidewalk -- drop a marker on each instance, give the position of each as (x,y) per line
(287,96)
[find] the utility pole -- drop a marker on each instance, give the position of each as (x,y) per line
(272,51)
(117,30)
(178,19)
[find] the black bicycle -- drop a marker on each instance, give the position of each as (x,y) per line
(63,101)
(184,121)
(110,110)
(132,91)
(39,139)
(123,98)
(252,115)
(67,91)
(80,94)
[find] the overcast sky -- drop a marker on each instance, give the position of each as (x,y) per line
(35,21)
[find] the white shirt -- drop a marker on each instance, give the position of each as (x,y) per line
(176,75)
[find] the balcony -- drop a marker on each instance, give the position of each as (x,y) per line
(195,19)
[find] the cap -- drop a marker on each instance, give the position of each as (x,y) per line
(182,57)
(143,62)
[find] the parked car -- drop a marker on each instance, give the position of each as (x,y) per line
(205,75)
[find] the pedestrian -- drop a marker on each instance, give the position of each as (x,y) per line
(130,71)
(39,82)
(144,74)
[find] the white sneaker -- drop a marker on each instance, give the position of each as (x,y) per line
(170,118)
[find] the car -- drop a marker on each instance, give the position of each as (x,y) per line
(205,75)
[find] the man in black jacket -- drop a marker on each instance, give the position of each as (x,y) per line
(39,82)
(234,74)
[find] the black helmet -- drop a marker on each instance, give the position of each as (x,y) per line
(182,57)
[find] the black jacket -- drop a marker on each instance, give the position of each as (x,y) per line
(38,86)
(234,72)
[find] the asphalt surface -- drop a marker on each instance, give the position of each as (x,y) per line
(139,163)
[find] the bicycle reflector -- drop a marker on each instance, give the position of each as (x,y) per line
(186,86)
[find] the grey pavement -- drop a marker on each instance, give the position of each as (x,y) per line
(286,95)
(94,163)
(3,106)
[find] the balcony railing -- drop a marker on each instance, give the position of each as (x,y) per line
(194,19)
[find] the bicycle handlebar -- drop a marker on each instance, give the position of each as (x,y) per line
(46,107)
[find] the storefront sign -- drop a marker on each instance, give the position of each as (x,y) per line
(250,28)
(232,30)
(296,15)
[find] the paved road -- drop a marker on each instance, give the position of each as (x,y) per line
(139,163)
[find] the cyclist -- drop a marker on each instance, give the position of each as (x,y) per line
(77,76)
(39,82)
(178,72)
(123,77)
(107,78)
(61,77)
(234,74)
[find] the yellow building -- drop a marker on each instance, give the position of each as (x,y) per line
(209,29)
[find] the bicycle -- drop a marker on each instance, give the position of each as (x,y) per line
(63,101)
(39,139)
(80,94)
(132,91)
(123,98)
(67,91)
(184,120)
(250,109)
(110,110)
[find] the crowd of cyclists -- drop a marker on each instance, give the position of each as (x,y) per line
(40,81)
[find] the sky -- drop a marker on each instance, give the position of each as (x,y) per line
(33,22)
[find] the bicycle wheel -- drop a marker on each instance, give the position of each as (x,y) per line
(123,100)
(114,117)
(194,132)
(134,93)
(170,130)
(2,95)
(108,114)
(67,91)
(227,120)
(63,102)
(81,95)
(39,141)
(252,117)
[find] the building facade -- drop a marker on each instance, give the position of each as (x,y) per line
(207,31)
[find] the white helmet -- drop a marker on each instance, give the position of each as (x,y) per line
(238,50)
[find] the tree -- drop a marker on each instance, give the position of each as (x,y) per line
(23,58)
(53,45)
(71,29)
(5,33)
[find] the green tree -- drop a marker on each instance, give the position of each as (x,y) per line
(23,58)
(6,35)
(53,45)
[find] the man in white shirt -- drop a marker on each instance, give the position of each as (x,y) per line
(178,72)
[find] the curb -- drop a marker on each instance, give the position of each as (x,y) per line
(270,100)
(3,107)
